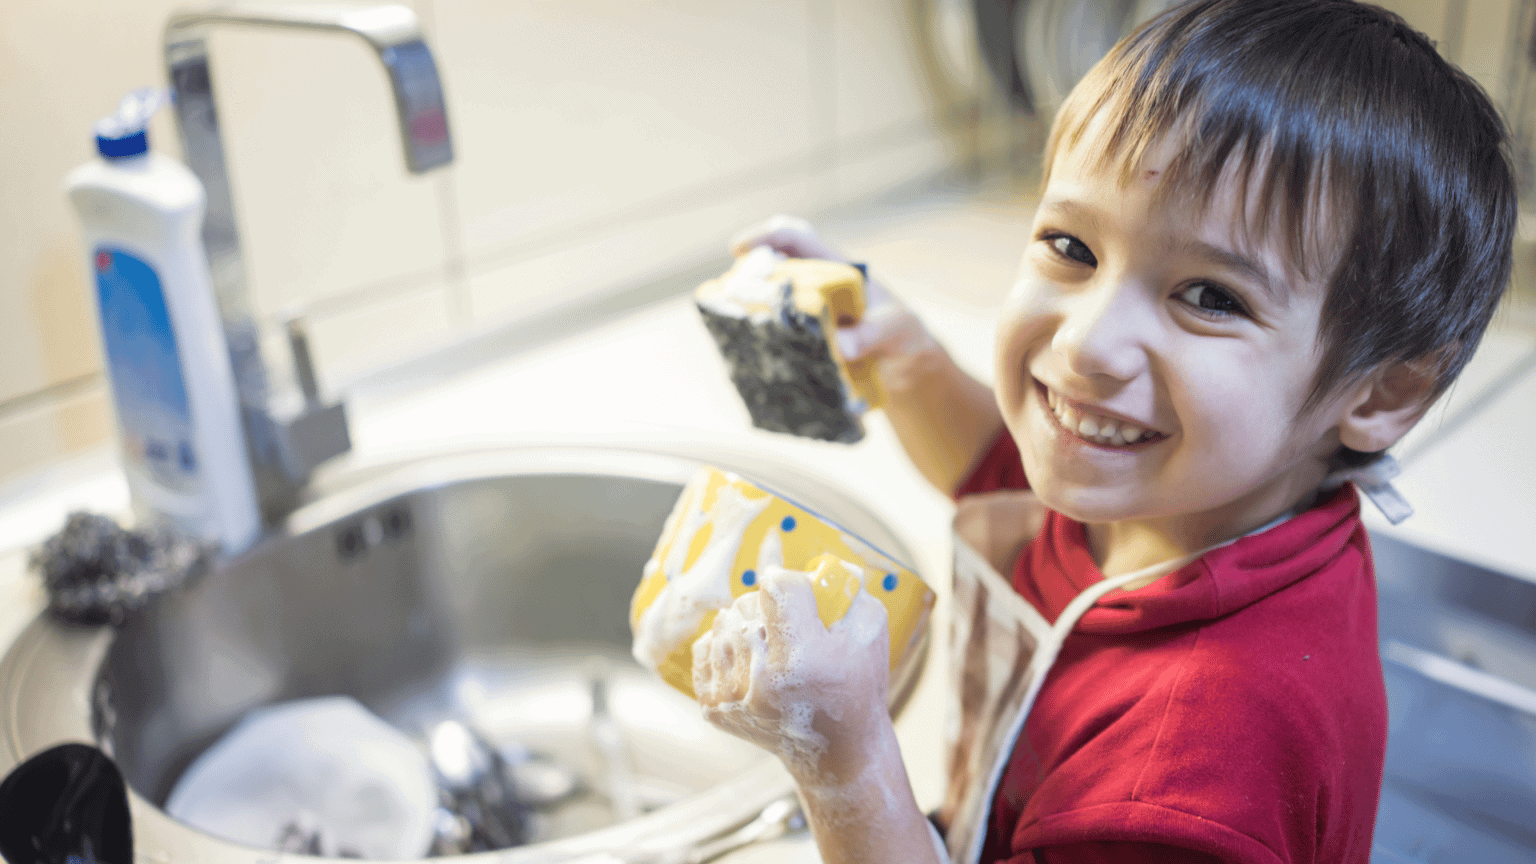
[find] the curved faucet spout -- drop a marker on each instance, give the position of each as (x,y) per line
(285,450)
(392,31)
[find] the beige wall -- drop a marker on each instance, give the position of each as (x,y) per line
(601,143)
(1475,34)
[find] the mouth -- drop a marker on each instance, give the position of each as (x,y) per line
(1096,429)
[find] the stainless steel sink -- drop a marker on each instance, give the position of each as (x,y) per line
(492,586)
(1459,654)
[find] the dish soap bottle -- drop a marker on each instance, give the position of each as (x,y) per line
(178,418)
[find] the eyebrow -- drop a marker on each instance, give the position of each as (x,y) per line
(1074,210)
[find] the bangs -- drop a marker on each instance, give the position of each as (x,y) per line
(1144,96)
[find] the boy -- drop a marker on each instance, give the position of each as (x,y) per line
(1271,233)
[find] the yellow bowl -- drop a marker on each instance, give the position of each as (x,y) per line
(721,532)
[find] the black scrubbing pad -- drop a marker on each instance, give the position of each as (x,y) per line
(96,572)
(785,372)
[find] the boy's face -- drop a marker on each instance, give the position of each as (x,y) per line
(1134,315)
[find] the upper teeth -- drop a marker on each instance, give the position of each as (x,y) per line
(1102,430)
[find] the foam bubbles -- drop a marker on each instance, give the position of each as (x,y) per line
(864,621)
(678,610)
(750,288)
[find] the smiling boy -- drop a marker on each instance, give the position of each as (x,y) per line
(1270,235)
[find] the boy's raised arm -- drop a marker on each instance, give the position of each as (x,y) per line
(943,417)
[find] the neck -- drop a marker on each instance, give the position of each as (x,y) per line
(1122,547)
(1135,544)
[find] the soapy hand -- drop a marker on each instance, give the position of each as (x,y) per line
(889,332)
(771,673)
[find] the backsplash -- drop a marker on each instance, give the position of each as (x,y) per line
(601,144)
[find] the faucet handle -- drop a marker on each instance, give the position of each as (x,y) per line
(319,431)
(303,363)
(419,99)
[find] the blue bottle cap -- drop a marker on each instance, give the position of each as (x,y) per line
(119,148)
(123,134)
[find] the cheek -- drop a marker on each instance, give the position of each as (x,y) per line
(1033,289)
(1234,414)
(1023,322)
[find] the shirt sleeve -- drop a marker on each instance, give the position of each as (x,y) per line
(1000,467)
(1117,853)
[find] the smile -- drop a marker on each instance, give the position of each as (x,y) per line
(1095,428)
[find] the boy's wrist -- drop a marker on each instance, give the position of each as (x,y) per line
(924,373)
(863,751)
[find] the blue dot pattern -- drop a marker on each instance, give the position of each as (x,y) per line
(788,524)
(889,582)
(749,578)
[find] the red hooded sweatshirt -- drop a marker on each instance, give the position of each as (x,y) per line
(1232,711)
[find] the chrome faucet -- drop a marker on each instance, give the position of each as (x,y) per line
(284,447)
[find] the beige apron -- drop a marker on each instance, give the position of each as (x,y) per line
(1000,650)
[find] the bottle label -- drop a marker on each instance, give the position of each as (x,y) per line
(145,367)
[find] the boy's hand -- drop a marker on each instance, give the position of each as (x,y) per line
(771,673)
(787,235)
(900,345)
(998,524)
(943,417)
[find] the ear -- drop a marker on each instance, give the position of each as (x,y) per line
(1385,404)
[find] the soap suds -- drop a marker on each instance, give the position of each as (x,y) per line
(750,288)
(678,610)
(771,552)
(864,621)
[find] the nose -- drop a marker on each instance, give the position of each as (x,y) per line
(1102,332)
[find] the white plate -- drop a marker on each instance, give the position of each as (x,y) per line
(325,763)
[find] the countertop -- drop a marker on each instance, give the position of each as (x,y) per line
(653,374)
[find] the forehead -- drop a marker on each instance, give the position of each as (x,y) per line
(1241,197)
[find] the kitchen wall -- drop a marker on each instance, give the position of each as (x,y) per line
(601,144)
(1474,34)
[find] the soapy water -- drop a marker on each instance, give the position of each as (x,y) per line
(770,672)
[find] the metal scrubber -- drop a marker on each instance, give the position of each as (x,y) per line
(777,348)
(96,572)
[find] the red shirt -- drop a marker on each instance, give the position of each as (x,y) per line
(1233,710)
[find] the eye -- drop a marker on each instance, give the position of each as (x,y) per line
(1212,301)
(1071,248)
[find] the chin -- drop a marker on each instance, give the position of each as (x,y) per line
(1090,506)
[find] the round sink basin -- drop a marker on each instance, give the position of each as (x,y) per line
(490,588)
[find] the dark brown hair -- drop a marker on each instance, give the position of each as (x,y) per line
(1325,107)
